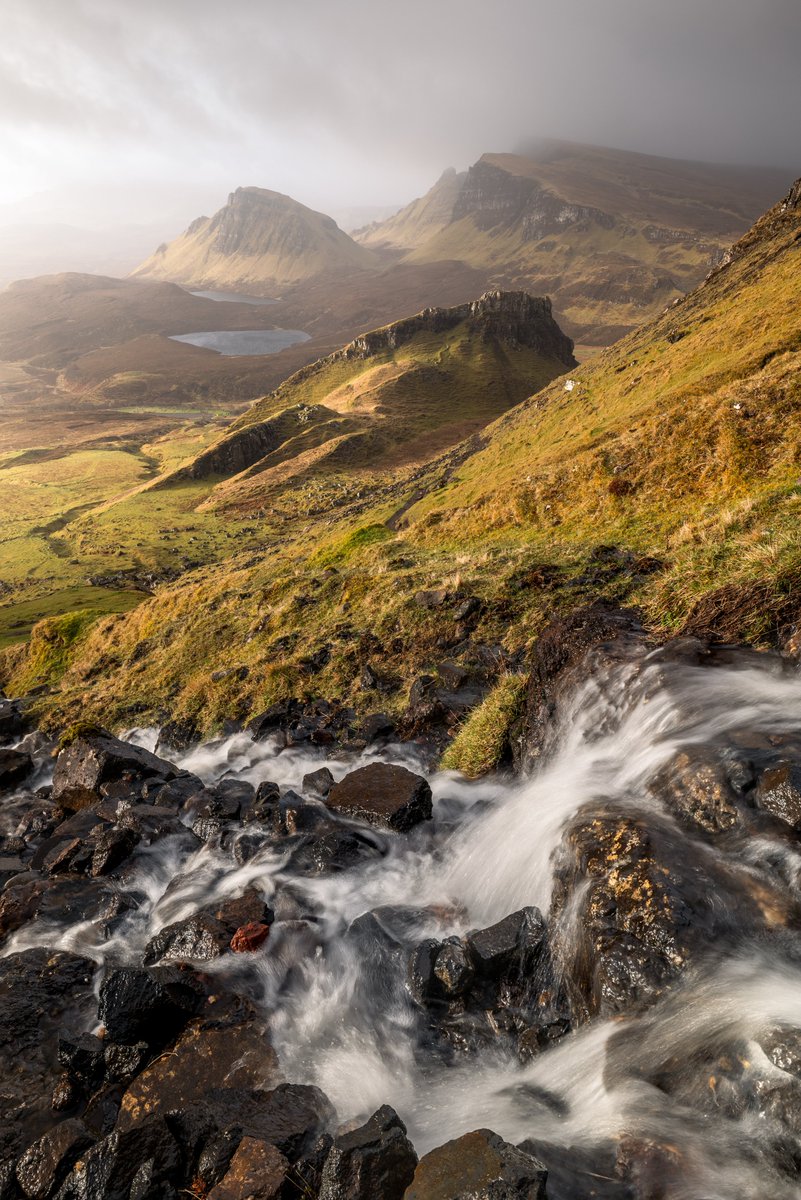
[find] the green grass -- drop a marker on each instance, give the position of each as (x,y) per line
(680,447)
(482,743)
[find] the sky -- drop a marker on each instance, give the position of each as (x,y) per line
(119,110)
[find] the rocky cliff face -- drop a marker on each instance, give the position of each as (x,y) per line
(514,317)
(494,197)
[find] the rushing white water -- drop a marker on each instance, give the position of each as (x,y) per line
(342,1018)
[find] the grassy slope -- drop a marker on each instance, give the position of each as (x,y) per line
(76,516)
(680,447)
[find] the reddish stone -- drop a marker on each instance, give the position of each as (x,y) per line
(249,937)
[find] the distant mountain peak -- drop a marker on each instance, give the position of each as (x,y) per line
(260,240)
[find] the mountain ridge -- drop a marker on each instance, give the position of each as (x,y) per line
(259,239)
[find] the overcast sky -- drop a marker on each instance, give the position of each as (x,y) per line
(152,103)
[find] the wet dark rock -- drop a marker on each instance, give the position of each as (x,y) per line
(318,783)
(290,1116)
(41,994)
(67,1094)
(44,1165)
(55,855)
(696,786)
(563,656)
(151,824)
(277,716)
(258,1171)
(28,897)
(82,1058)
(177,736)
(512,941)
(202,1059)
(267,791)
(478,1166)
(12,722)
(424,985)
(297,815)
(578,1172)
(14,767)
(177,794)
(122,1062)
(453,968)
(377,1159)
(200,938)
(147,1005)
(377,727)
(91,761)
(111,848)
(236,792)
(640,906)
(209,829)
(335,849)
(239,910)
(433,711)
(778,792)
(10,865)
(137,1164)
(385,795)
(101,1113)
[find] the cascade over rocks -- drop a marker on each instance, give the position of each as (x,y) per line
(565,654)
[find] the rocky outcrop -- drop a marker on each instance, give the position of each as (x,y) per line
(244,447)
(494,197)
(514,317)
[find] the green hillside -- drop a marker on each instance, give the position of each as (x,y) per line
(668,475)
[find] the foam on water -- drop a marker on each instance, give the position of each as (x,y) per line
(345,1022)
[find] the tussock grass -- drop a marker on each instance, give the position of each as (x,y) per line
(482,743)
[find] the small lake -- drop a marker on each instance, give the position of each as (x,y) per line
(235,342)
(232,298)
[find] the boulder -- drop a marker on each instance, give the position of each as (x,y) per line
(14,767)
(257,1172)
(383,794)
(12,724)
(239,1056)
(44,1164)
(695,786)
(147,1005)
(41,994)
(510,942)
(95,758)
(142,1162)
(318,783)
(778,792)
(289,1117)
(478,1166)
(377,1159)
(199,938)
(111,848)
